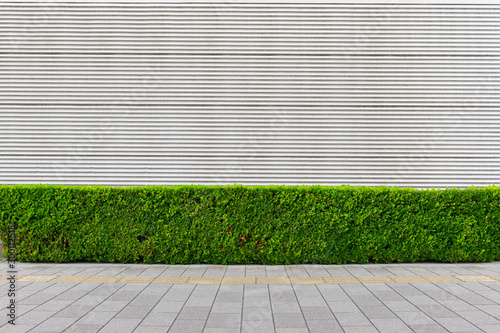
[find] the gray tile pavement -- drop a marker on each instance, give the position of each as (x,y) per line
(453,305)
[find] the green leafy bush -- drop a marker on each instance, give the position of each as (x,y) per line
(256,224)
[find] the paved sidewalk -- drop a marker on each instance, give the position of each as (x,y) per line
(124,298)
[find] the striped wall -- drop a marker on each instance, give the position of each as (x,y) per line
(223,92)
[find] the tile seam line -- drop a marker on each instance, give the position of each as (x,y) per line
(329,308)
(52,284)
(395,312)
(448,308)
(360,310)
(52,316)
(463,300)
(242,303)
(117,312)
(407,300)
(40,291)
(150,311)
(298,301)
(211,307)
(76,322)
(182,308)
(37,291)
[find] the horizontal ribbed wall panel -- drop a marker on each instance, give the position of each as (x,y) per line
(128,93)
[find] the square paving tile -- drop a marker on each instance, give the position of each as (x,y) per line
(257,326)
(428,329)
(227,307)
(96,318)
(123,295)
(111,306)
(187,326)
(291,330)
(120,325)
(322,326)
(263,302)
(352,319)
(360,329)
(415,318)
(166,306)
(34,317)
(133,312)
(159,319)
(229,296)
(80,328)
(257,314)
(456,324)
(151,329)
(235,271)
(400,306)
(221,330)
(289,320)
(54,325)
(176,296)
(377,312)
(54,305)
(255,271)
(489,328)
(200,301)
(224,320)
(74,311)
(437,311)
(337,307)
(194,312)
(215,271)
(492,310)
(317,313)
(391,326)
(478,317)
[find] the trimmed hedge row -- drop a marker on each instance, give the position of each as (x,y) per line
(256,224)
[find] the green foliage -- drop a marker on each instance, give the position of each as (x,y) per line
(251,225)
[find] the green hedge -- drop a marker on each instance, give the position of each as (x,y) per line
(257,224)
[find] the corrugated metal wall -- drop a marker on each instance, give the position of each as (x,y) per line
(250,93)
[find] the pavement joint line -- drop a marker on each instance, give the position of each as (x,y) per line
(211,306)
(297,299)
(346,292)
(150,311)
(52,298)
(426,292)
(405,297)
(466,301)
(130,301)
(256,280)
(183,305)
(89,311)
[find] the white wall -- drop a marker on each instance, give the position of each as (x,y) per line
(129,93)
